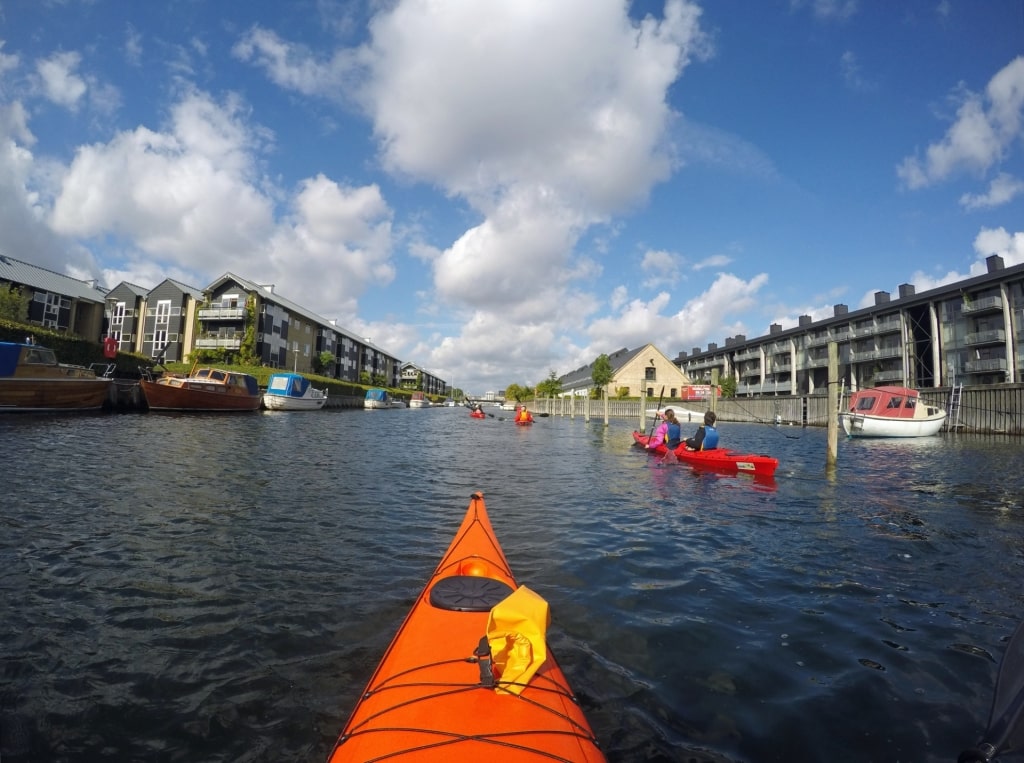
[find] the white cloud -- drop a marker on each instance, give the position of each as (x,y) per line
(828,9)
(1009,246)
(1002,190)
(852,73)
(984,129)
(59,81)
(660,268)
(294,66)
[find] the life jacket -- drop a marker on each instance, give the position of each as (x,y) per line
(672,436)
(710,438)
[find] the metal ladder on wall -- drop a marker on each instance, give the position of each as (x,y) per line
(953,412)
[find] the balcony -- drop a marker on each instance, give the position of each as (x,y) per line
(889,326)
(888,376)
(747,355)
(230,341)
(858,331)
(995,336)
(985,366)
(983,305)
(221,313)
(817,341)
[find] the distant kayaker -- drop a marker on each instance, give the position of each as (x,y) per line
(524,415)
(668,432)
(706,436)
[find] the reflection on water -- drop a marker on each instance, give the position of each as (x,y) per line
(220,588)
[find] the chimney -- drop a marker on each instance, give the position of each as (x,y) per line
(695,350)
(740,338)
(881,297)
(838,310)
(805,320)
(775,328)
(681,355)
(906,290)
(712,346)
(995,263)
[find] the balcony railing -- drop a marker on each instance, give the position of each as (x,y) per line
(983,305)
(221,313)
(888,376)
(220,341)
(995,336)
(983,366)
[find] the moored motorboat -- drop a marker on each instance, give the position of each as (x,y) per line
(420,400)
(468,676)
(292,392)
(32,380)
(891,412)
(203,389)
(718,459)
(376,398)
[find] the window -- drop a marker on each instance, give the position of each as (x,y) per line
(650,373)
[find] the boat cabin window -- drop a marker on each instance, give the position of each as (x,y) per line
(895,402)
(217,375)
(911,403)
(865,404)
(41,356)
(202,373)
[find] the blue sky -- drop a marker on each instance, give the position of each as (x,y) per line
(494,190)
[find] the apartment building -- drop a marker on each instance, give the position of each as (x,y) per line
(969,332)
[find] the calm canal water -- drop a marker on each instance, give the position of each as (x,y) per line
(219,588)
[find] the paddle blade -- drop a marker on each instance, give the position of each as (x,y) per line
(1005,727)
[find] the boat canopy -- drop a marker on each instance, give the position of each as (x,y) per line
(376,394)
(288,385)
(9,353)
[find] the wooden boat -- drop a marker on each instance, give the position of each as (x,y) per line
(718,459)
(420,400)
(292,392)
(891,412)
(203,389)
(31,379)
(435,697)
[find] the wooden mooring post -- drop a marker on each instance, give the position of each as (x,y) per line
(832,449)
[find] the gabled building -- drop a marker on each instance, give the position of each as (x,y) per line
(57,302)
(644,371)
(168,322)
(416,378)
(126,304)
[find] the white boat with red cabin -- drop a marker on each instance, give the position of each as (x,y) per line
(891,412)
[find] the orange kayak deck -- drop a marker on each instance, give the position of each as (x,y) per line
(427,700)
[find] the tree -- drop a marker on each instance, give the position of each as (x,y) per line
(602,372)
(550,387)
(13,304)
(323,362)
(514,392)
(728,387)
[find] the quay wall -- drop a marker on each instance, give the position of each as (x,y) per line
(986,409)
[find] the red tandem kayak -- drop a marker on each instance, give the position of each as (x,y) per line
(469,676)
(719,459)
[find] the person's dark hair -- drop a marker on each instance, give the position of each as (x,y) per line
(710,418)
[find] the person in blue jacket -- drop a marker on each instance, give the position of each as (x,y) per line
(706,436)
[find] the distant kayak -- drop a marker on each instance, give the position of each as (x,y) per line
(478,414)
(719,459)
(444,692)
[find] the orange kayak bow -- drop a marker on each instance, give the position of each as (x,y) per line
(437,695)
